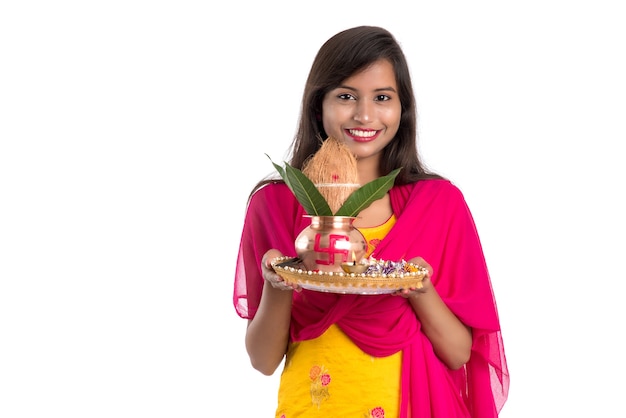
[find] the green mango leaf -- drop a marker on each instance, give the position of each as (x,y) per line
(307,194)
(304,190)
(280,170)
(314,202)
(367,194)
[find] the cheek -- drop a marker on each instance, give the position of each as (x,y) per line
(391,118)
(331,118)
(327,124)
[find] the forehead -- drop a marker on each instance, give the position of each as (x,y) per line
(379,74)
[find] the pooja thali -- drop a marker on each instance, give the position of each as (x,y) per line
(378,277)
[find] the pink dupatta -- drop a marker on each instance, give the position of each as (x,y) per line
(434,222)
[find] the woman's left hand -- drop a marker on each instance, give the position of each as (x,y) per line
(426,283)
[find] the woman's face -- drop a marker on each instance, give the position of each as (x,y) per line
(364,111)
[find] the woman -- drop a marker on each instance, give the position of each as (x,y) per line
(430,352)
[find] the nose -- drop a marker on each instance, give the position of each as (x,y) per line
(364,112)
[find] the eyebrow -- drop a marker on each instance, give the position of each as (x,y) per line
(381,89)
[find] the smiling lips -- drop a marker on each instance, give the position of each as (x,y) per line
(362,135)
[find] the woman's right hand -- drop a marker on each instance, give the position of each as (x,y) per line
(270,275)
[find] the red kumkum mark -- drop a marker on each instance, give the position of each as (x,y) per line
(332,249)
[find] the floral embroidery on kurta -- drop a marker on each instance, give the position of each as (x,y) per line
(320,379)
(377,412)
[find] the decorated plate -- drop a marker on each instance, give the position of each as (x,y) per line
(374,277)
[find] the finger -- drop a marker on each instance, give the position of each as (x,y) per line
(269,257)
(422,263)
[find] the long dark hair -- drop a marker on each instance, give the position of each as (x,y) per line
(341,56)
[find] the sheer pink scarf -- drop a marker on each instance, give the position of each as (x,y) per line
(434,222)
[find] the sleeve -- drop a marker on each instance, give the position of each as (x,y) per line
(463,281)
(435,223)
(272,218)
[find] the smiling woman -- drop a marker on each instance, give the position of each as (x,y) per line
(115,116)
(430,349)
(364,109)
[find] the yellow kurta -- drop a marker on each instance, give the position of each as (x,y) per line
(330,376)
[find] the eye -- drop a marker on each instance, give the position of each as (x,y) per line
(382,98)
(346,96)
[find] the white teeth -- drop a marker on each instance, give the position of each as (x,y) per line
(362,134)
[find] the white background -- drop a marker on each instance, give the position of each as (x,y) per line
(132,131)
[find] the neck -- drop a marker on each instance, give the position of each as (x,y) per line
(368,169)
